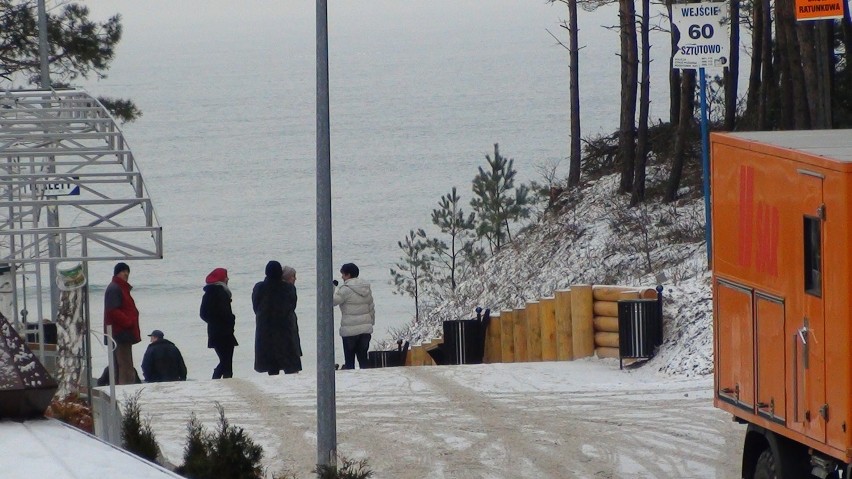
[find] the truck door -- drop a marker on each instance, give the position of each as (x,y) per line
(810,408)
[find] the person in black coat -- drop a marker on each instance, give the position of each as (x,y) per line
(162,360)
(216,312)
(276,345)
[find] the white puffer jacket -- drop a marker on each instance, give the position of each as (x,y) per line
(358,313)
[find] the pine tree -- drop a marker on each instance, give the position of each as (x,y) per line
(78,48)
(136,433)
(235,454)
(414,267)
(459,248)
(196,457)
(229,452)
(494,203)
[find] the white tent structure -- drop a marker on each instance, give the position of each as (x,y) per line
(70,192)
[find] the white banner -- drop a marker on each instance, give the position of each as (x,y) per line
(702,40)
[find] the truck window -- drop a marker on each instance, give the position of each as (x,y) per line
(813,256)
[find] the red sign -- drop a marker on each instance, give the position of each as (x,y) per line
(818,9)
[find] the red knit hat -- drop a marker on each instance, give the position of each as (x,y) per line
(218,275)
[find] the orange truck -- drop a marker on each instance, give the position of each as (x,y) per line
(782,298)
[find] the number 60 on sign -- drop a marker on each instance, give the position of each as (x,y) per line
(702,41)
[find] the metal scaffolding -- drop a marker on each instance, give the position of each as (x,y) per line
(70,191)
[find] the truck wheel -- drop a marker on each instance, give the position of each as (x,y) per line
(765,466)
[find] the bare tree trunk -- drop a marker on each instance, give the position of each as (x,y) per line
(674,74)
(754,78)
(846,25)
(825,69)
(685,121)
(629,78)
(644,102)
(784,117)
(732,73)
(573,53)
(805,47)
(768,74)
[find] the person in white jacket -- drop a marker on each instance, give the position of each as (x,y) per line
(358,315)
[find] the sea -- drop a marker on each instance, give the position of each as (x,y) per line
(420,92)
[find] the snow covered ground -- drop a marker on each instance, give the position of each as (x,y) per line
(47,448)
(577,419)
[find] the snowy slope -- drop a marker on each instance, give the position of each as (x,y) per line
(595,239)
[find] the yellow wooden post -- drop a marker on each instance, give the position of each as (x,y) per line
(564,331)
(414,355)
(581,321)
(533,331)
(521,335)
(507,336)
(493,346)
(547,315)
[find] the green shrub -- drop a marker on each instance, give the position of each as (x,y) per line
(349,469)
(136,433)
(196,457)
(227,452)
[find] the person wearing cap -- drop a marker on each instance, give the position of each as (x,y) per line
(276,342)
(162,360)
(120,312)
(358,315)
(217,313)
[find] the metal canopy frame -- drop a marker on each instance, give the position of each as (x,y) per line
(53,142)
(61,140)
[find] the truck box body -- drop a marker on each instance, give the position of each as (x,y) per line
(782,256)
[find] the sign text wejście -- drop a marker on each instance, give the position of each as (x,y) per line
(701,11)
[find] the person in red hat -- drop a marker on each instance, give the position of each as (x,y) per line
(217,313)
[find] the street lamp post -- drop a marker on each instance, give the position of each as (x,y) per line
(326,408)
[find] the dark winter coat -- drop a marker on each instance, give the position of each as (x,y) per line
(163,362)
(120,312)
(216,312)
(276,345)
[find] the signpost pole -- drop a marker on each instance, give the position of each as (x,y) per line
(705,163)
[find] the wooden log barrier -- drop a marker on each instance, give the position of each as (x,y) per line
(493,345)
(520,316)
(583,330)
(412,357)
(614,293)
(547,317)
(648,293)
(507,336)
(605,308)
(604,352)
(533,331)
(607,324)
(564,330)
(418,354)
(606,340)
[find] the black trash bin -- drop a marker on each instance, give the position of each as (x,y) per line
(387,359)
(464,340)
(640,328)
